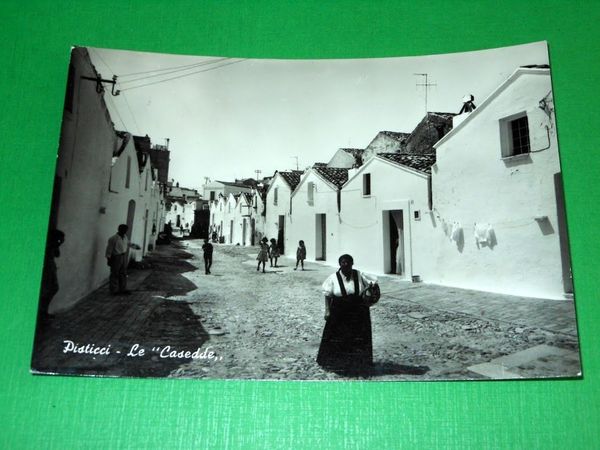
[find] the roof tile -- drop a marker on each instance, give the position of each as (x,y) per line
(421,163)
(334,175)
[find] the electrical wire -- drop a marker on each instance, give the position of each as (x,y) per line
(206,63)
(182,76)
(117,111)
(131,113)
(169,68)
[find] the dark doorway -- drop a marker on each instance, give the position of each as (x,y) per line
(130,218)
(396,242)
(320,237)
(281,235)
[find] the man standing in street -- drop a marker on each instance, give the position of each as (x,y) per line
(208,251)
(117,251)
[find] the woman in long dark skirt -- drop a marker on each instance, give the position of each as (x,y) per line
(347,344)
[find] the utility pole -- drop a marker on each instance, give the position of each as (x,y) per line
(426,84)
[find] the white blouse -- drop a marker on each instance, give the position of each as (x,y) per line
(332,287)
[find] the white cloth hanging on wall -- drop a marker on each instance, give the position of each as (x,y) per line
(483,233)
(456,231)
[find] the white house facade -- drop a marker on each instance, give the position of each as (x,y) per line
(277,207)
(315,214)
(497,196)
(384,223)
(241,232)
(98,185)
(212,189)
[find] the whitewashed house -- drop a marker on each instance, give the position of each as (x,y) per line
(241,232)
(212,189)
(217,216)
(124,204)
(150,207)
(383,221)
(497,196)
(257,215)
(277,206)
(181,204)
(228,216)
(100,183)
(315,214)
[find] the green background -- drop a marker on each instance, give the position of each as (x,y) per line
(62,412)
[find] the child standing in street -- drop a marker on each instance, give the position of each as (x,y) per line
(263,254)
(273,252)
(300,255)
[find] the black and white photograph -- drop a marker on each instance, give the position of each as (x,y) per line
(376,219)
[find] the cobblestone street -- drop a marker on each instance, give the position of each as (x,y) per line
(268,326)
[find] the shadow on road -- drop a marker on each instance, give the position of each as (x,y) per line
(145,318)
(383,368)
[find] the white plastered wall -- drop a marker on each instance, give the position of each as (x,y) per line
(472,184)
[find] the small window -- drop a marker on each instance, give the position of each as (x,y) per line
(519,129)
(275,196)
(514,135)
(311,193)
(212,195)
(417,215)
(367,184)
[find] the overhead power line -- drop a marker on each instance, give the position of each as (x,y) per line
(205,63)
(166,68)
(182,76)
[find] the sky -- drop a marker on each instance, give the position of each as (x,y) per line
(228,117)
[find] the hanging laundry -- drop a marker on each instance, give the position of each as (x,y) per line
(456,232)
(482,233)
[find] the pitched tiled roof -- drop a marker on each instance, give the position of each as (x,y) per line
(354,151)
(445,115)
(334,175)
(396,135)
(229,183)
(422,163)
(291,178)
(125,136)
(175,192)
(142,143)
(248,197)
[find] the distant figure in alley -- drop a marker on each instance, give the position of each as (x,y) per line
(273,252)
(207,248)
(117,252)
(263,254)
(300,255)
